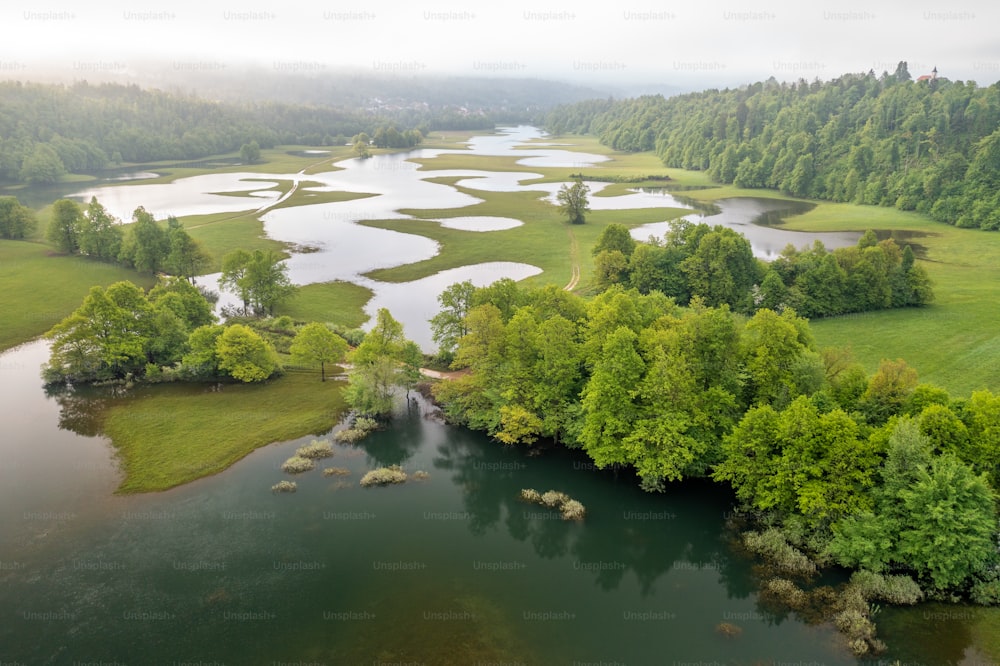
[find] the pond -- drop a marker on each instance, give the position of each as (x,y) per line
(341,249)
(453,569)
(758,219)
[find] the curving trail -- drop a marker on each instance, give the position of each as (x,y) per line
(574,255)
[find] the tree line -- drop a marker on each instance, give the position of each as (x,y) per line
(49,130)
(929,145)
(717,265)
(879,471)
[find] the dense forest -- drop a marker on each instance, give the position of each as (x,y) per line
(931,145)
(716,264)
(876,472)
(48,130)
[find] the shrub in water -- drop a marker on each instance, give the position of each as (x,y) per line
(318,448)
(284,487)
(568,507)
(531,495)
(384,476)
(336,471)
(572,510)
(297,465)
(421,475)
(771,545)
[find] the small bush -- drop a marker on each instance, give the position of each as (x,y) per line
(421,475)
(771,545)
(554,499)
(336,471)
(316,449)
(787,592)
(530,495)
(893,589)
(568,507)
(361,428)
(728,629)
(284,487)
(384,476)
(572,510)
(986,593)
(297,465)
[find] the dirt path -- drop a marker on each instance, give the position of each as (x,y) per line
(574,255)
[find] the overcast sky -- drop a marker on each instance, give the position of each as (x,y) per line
(691,44)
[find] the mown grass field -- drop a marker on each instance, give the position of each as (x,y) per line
(158,451)
(39,288)
(338,302)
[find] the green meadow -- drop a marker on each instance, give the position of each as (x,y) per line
(952,343)
(157,451)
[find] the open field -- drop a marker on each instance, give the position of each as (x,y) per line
(339,303)
(953,343)
(39,288)
(158,451)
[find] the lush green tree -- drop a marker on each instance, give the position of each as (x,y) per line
(615,237)
(183,299)
(722,269)
(380,364)
(145,245)
(244,355)
(107,337)
(573,203)
(981,416)
(888,390)
(315,343)
(448,325)
(186,258)
(779,357)
(260,279)
(100,234)
(609,398)
(64,228)
(933,515)
(250,152)
(16,221)
(202,356)
(43,165)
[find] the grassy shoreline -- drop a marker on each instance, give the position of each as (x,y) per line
(157,451)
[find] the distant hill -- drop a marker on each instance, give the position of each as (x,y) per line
(931,145)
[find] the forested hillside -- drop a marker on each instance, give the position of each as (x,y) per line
(931,145)
(48,130)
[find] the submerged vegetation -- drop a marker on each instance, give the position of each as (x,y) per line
(569,508)
(384,476)
(875,472)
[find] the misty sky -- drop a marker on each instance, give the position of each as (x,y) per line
(692,44)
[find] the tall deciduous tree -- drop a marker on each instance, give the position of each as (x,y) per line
(245,355)
(16,221)
(317,344)
(381,363)
(448,325)
(260,278)
(573,203)
(64,228)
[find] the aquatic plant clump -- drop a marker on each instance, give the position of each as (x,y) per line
(297,464)
(728,629)
(361,428)
(318,448)
(284,487)
(336,471)
(772,545)
(420,475)
(572,510)
(568,507)
(530,495)
(384,476)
